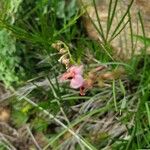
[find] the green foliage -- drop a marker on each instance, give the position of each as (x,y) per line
(38,34)
(9,61)
(21,112)
(40,125)
(39,24)
(66,10)
(143,39)
(9,9)
(2,147)
(19,118)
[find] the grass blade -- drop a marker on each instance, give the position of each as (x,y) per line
(143,39)
(148,112)
(91,20)
(99,21)
(131,31)
(121,21)
(119,31)
(114,95)
(110,19)
(143,30)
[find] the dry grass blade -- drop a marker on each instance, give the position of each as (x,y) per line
(6,143)
(33,139)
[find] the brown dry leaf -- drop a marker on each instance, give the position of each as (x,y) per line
(112,75)
(122,43)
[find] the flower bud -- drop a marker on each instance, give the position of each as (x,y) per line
(62,51)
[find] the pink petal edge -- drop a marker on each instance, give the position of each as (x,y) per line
(76,69)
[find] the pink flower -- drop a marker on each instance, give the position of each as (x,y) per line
(74,74)
(76,69)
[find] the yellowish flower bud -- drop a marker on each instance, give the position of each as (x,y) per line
(62,51)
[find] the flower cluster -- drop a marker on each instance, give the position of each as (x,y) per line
(74,73)
(95,77)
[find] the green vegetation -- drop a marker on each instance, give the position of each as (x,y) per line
(113,115)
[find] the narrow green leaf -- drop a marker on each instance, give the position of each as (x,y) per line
(121,21)
(111,17)
(99,21)
(114,95)
(148,112)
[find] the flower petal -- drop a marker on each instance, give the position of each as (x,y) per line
(76,82)
(65,76)
(76,69)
